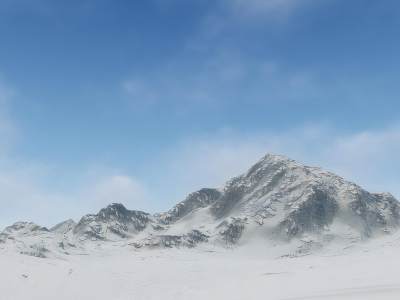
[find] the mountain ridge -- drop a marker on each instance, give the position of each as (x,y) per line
(277,199)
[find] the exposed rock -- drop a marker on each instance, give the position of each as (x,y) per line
(113,221)
(189,240)
(314,214)
(36,250)
(24,228)
(232,230)
(199,199)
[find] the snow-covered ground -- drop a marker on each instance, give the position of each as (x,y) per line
(366,271)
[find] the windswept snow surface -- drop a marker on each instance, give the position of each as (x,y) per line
(367,271)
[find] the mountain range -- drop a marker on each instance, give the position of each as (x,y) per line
(278,201)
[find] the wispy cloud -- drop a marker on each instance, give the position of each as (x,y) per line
(112,187)
(47,8)
(368,158)
(220,80)
(271,9)
(26,193)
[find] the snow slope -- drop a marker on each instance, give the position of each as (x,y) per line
(369,271)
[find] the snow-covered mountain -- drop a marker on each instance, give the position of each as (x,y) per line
(277,200)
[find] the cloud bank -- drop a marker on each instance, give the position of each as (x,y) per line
(369,158)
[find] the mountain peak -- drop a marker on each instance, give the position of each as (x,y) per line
(113,220)
(25,226)
(276,157)
(272,161)
(113,208)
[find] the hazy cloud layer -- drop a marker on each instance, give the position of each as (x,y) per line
(213,69)
(222,80)
(369,158)
(27,194)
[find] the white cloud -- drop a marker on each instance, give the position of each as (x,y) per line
(368,158)
(26,193)
(116,188)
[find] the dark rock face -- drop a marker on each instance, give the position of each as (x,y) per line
(232,230)
(25,226)
(375,211)
(36,250)
(195,237)
(118,212)
(237,188)
(114,219)
(3,238)
(311,216)
(229,199)
(199,199)
(188,240)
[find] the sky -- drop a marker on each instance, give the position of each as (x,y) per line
(143,102)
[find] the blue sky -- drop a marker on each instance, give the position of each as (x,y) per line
(141,102)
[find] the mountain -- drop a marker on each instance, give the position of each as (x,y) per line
(285,199)
(114,221)
(278,200)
